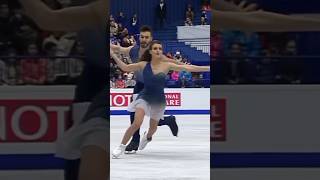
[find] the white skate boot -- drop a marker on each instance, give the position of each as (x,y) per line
(118,151)
(144,141)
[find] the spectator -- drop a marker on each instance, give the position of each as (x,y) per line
(12,72)
(4,21)
(206,5)
(120,83)
(5,30)
(197,81)
(64,42)
(234,68)
(161,13)
(130,82)
(3,73)
(122,32)
(188,22)
(252,44)
(111,18)
(13,69)
(113,28)
(121,19)
(128,41)
(113,82)
(216,45)
(112,69)
(175,75)
(189,6)
(292,69)
(25,35)
(33,68)
(134,25)
(185,78)
(178,56)
(204,18)
(50,50)
(76,64)
(190,14)
(169,55)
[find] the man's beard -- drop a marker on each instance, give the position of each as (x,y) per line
(144,45)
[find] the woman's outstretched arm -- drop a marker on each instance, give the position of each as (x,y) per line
(189,68)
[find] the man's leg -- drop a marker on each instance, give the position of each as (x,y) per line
(171,122)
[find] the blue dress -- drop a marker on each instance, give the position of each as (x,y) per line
(151,99)
(153,91)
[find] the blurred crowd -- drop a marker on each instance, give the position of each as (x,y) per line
(249,58)
(255,58)
(30,56)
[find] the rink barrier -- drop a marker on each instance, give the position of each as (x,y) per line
(20,150)
(264,160)
(30,161)
(177,99)
(168,112)
(218,160)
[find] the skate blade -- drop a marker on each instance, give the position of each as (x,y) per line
(130,152)
(115,157)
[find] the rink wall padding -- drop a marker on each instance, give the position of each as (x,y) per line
(265,126)
(20,112)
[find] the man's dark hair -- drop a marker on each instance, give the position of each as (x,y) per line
(146,29)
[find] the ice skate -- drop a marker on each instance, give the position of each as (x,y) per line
(144,141)
(132,147)
(117,152)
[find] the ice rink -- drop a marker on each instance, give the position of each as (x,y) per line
(185,157)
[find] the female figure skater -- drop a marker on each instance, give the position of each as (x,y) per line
(151,100)
(87,141)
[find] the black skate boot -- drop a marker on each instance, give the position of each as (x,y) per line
(172,123)
(132,147)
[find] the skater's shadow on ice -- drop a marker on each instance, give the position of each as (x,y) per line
(162,155)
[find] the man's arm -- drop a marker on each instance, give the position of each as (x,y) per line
(67,19)
(261,21)
(123,50)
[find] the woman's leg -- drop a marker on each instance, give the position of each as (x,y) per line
(152,128)
(138,119)
(94,163)
(148,137)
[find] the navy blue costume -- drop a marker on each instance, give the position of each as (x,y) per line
(134,56)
